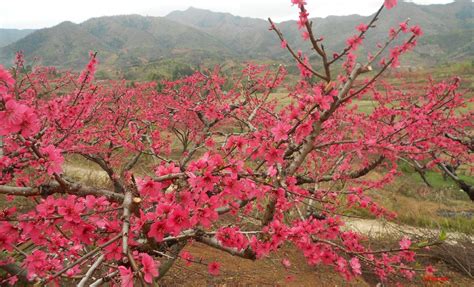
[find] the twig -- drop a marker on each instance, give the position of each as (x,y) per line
(91,270)
(104,279)
(127,202)
(85,257)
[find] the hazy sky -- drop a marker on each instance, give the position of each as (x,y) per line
(45,13)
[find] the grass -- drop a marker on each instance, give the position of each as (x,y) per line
(419,205)
(411,79)
(364,106)
(422,212)
(282,98)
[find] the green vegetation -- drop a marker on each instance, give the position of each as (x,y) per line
(152,48)
(8,36)
(443,206)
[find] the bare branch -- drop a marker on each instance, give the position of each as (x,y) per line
(55,188)
(133,161)
(213,242)
(361,35)
(280,35)
(85,257)
(104,279)
(127,202)
(308,145)
(91,270)
(467,188)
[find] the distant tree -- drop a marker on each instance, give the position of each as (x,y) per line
(182,71)
(189,162)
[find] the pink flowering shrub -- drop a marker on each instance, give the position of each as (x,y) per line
(185,163)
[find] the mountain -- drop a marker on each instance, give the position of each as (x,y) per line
(121,41)
(134,45)
(448,30)
(248,37)
(8,36)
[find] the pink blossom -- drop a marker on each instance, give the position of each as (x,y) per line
(35,264)
(286,263)
(6,80)
(150,268)
(205,217)
(273,155)
(416,30)
(178,220)
(305,35)
(324,101)
(71,210)
(19,59)
(430,270)
(300,3)
(12,117)
(404,27)
(405,243)
(158,230)
(389,4)
(280,131)
(231,237)
(30,124)
(272,171)
(186,256)
(341,265)
(362,27)
(54,159)
(8,236)
(355,265)
(113,252)
(47,206)
(226,171)
(150,188)
(126,277)
(18,117)
(88,73)
(214,268)
(354,42)
(13,280)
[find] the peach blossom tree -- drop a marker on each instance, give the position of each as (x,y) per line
(193,161)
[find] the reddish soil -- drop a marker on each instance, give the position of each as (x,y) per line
(235,271)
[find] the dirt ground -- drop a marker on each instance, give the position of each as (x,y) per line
(235,271)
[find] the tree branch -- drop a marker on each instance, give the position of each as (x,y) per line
(213,242)
(55,188)
(85,257)
(91,270)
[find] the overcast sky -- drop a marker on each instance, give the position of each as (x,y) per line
(45,13)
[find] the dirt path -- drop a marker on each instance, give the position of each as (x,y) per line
(378,228)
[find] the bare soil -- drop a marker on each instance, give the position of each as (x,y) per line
(270,272)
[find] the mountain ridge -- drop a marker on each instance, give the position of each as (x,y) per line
(197,36)
(8,36)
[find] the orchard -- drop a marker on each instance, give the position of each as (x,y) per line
(188,161)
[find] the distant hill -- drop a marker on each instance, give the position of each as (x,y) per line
(448,30)
(8,36)
(134,44)
(248,37)
(120,41)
